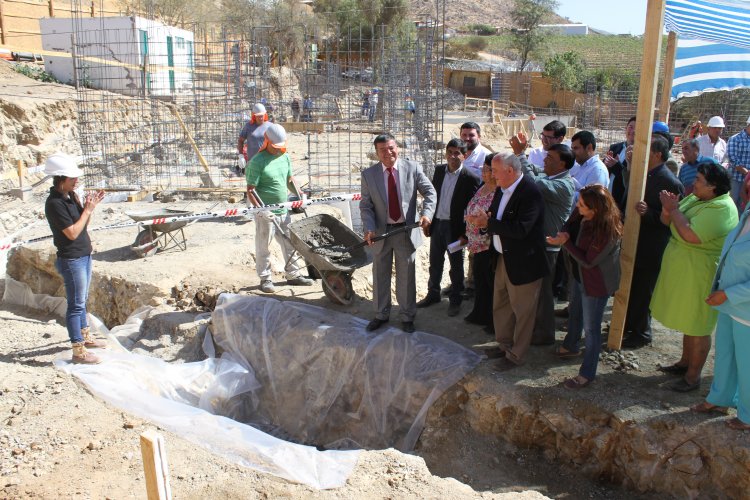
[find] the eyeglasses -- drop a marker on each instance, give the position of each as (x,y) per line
(544,137)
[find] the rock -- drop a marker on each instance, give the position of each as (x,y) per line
(94,445)
(128,424)
(17,452)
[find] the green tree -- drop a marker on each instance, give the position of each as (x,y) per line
(565,70)
(527,38)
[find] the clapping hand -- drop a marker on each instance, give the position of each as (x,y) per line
(610,160)
(93,199)
(669,201)
(478,219)
(519,143)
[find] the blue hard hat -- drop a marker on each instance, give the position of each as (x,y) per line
(660,127)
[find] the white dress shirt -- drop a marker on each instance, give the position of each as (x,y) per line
(475,161)
(593,171)
(716,151)
(507,193)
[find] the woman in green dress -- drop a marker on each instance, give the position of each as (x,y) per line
(699,224)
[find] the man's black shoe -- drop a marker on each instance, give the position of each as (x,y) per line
(445,291)
(635,343)
(428,300)
(454,309)
(562,313)
(375,324)
(408,326)
(467,293)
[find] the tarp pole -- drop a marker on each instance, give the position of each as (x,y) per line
(644,118)
(666,88)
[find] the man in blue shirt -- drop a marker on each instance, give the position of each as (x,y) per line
(689,169)
(738,151)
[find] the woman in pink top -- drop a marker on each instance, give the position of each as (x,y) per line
(479,245)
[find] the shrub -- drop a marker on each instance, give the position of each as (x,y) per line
(35,72)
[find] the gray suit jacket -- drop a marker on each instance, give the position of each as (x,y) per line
(374,206)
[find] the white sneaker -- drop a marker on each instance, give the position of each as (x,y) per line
(267,286)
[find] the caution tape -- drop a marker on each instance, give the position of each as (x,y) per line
(219,214)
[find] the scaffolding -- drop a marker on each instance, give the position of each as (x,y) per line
(160,108)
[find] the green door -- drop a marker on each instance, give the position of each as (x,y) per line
(144,57)
(170,63)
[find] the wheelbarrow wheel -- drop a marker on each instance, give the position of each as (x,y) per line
(337,286)
(145,244)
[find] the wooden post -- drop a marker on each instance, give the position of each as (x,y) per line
(638,170)
(154,454)
(92,8)
(2,24)
(51,8)
(666,88)
(21,169)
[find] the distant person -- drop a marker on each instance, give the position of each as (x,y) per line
(591,237)
(689,170)
(711,144)
(307,109)
(389,202)
(552,133)
(731,297)
(738,152)
(698,224)
(295,109)
(68,219)
(374,97)
(455,186)
(652,240)
(617,164)
(253,132)
(588,169)
(366,104)
(269,179)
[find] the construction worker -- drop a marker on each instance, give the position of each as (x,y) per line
(252,134)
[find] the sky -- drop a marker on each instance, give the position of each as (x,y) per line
(613,16)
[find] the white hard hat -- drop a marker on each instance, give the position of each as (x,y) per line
(276,135)
(62,164)
(716,121)
(259,109)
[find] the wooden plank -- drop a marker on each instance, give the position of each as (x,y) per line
(138,196)
(638,169)
(155,466)
(2,23)
(666,90)
(20,167)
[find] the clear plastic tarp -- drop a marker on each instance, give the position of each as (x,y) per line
(325,380)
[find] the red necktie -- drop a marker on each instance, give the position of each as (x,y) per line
(394,210)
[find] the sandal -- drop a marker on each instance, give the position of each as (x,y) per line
(738,425)
(573,383)
(706,408)
(563,353)
(674,369)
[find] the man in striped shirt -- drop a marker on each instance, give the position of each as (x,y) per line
(738,151)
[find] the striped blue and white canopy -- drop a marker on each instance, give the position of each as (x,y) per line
(713,51)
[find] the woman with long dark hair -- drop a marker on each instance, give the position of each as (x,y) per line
(591,238)
(68,218)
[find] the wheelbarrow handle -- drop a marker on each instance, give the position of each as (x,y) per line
(402,229)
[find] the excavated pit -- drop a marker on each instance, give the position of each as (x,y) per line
(625,431)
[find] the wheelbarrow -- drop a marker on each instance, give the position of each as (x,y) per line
(309,234)
(157,237)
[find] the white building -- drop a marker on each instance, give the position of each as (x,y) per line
(567,29)
(129,55)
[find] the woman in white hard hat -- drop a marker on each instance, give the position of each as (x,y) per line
(68,219)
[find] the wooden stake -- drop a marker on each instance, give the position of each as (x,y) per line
(666,89)
(644,119)
(2,24)
(154,454)
(21,168)
(51,8)
(189,137)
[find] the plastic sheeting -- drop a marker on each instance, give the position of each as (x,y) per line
(325,380)
(184,398)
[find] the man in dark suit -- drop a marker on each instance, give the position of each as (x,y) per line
(652,240)
(455,186)
(516,222)
(389,201)
(617,164)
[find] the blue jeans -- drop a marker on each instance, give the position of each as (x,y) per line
(585,313)
(76,274)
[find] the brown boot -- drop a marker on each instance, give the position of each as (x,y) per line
(90,342)
(82,356)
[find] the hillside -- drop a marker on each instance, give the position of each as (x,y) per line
(460,14)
